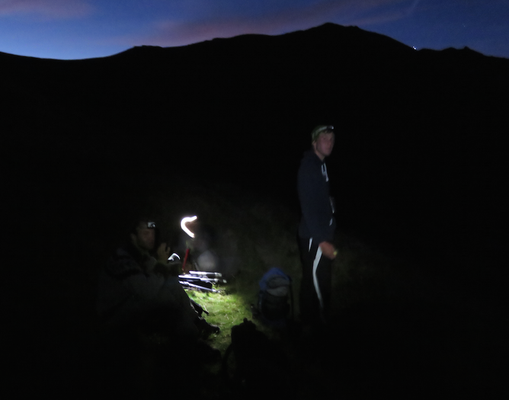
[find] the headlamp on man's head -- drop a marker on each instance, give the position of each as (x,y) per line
(321,129)
(151,225)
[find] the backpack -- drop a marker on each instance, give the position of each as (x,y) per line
(275,299)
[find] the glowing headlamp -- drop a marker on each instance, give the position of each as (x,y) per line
(185,221)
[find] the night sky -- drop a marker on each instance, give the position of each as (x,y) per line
(77,29)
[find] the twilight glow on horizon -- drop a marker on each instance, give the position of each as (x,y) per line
(78,29)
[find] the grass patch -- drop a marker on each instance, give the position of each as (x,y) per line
(225,310)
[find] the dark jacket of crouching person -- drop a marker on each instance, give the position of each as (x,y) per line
(135,290)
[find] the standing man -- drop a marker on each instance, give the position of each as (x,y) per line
(316,229)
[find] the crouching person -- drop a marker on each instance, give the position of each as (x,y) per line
(138,295)
(137,287)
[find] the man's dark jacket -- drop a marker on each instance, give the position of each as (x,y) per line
(313,188)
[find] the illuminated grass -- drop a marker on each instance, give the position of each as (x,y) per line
(227,309)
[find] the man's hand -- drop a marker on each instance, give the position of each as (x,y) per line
(163,252)
(328,250)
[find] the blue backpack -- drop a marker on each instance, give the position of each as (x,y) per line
(275,299)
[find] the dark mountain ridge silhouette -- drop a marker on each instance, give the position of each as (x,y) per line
(420,155)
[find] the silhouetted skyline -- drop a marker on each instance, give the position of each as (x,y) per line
(77,29)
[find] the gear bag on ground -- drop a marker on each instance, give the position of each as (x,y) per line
(275,299)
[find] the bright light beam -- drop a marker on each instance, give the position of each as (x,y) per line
(183,223)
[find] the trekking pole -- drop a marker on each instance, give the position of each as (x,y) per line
(192,286)
(185,261)
(207,273)
(201,278)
